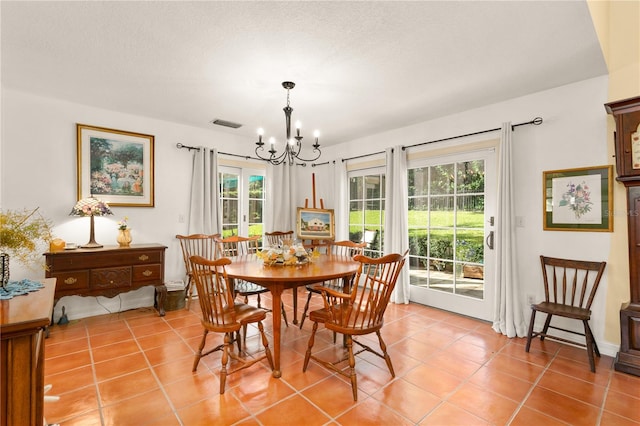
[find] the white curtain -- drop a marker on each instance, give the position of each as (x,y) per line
(508,317)
(281,209)
(396,234)
(341,199)
(204,214)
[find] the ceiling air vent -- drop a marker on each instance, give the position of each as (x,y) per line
(226,123)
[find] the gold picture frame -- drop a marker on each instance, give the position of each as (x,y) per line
(115,166)
(315,224)
(578,199)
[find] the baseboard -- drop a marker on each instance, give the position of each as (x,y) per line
(77,307)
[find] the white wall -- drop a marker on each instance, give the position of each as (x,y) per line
(39,170)
(573,135)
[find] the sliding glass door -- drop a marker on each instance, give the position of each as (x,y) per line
(451,205)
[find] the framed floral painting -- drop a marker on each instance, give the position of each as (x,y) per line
(115,166)
(578,199)
(315,224)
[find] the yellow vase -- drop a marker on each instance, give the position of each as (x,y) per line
(124,237)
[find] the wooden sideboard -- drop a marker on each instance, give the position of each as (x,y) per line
(109,271)
(22,323)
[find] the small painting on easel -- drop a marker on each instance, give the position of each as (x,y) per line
(315,224)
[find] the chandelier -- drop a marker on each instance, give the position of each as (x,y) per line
(293,145)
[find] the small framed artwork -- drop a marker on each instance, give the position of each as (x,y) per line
(115,166)
(315,224)
(578,199)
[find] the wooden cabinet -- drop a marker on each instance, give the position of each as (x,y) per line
(22,323)
(108,271)
(627,145)
(627,116)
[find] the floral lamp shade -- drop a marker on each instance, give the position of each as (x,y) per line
(91,207)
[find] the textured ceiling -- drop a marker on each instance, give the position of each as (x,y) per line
(359,67)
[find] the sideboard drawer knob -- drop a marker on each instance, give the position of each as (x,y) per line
(147,273)
(71,280)
(143,257)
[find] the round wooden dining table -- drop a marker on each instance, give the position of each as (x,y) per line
(278,278)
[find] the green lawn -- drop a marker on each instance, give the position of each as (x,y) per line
(420,219)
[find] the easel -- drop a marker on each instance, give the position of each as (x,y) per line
(314,244)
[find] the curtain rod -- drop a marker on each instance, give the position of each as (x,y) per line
(536,121)
(246,157)
(322,164)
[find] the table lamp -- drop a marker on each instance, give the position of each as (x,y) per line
(91,207)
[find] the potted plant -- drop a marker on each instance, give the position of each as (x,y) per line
(20,233)
(471,251)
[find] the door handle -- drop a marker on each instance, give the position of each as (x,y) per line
(489,240)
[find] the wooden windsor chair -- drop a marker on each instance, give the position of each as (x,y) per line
(222,314)
(239,246)
(569,289)
(340,248)
(358,313)
(202,245)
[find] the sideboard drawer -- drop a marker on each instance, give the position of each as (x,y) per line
(72,280)
(111,277)
(149,257)
(147,272)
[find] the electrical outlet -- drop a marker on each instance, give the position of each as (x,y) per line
(520,221)
(530,299)
(181,218)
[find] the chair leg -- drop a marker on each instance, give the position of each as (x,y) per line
(244,337)
(387,358)
(238,338)
(589,337)
(530,333)
(265,343)
(224,361)
(200,348)
(284,314)
(307,355)
(189,292)
(595,345)
(546,327)
(352,368)
(306,308)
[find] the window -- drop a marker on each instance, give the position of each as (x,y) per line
(242,198)
(366,210)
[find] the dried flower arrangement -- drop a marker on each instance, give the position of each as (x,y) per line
(20,232)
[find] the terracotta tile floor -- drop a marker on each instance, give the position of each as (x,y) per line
(134,368)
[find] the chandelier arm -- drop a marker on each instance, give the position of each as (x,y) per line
(273,159)
(311,159)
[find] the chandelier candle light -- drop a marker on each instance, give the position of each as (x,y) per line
(91,207)
(291,153)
